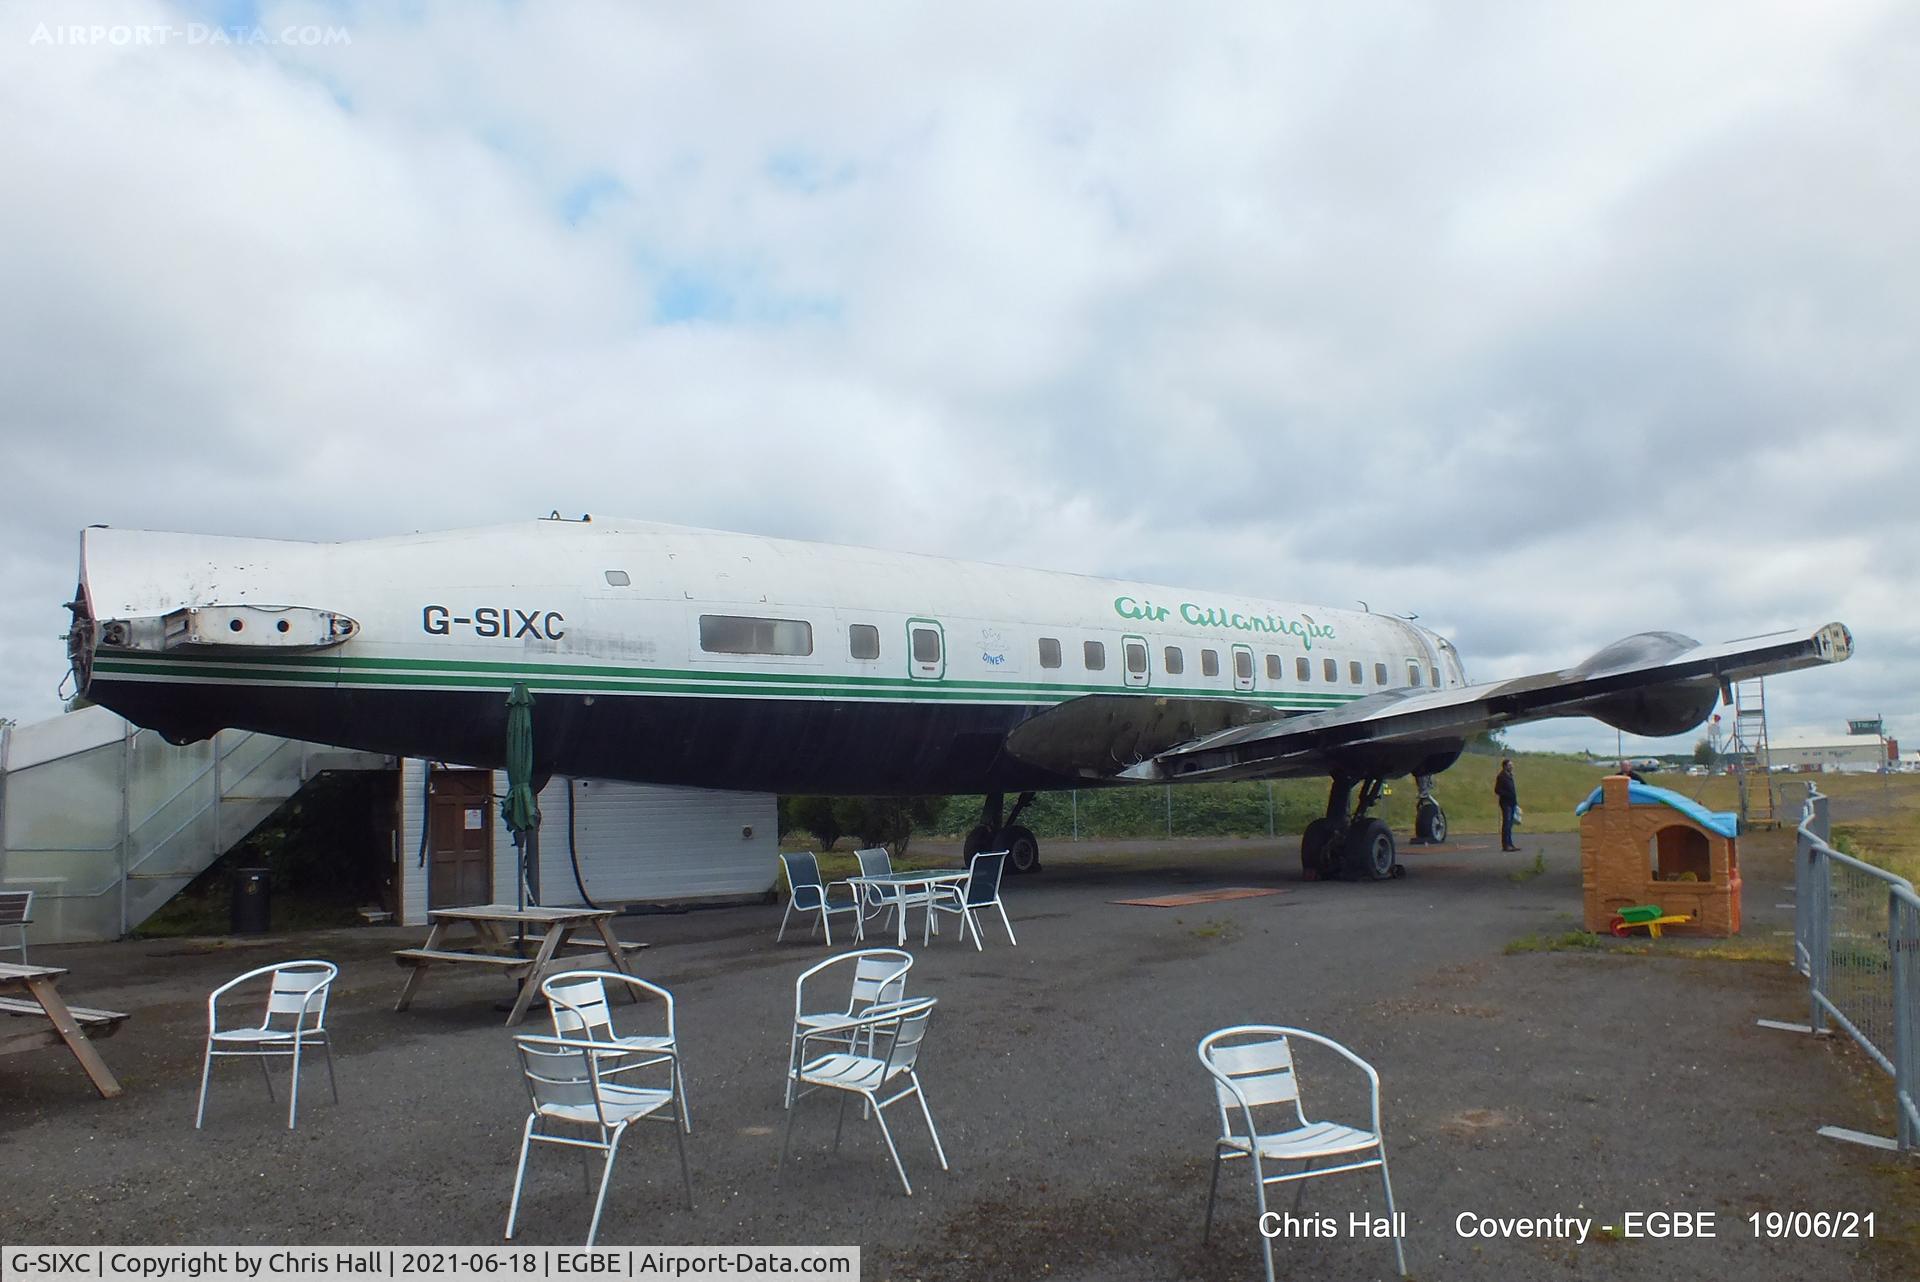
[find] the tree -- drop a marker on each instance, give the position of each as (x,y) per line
(811,814)
(1703,753)
(886,821)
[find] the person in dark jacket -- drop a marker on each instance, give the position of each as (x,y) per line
(1509,796)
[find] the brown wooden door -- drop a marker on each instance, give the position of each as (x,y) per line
(460,839)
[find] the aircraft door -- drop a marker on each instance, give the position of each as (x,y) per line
(1133,655)
(1243,667)
(926,650)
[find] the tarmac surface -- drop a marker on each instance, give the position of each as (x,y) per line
(1063,1077)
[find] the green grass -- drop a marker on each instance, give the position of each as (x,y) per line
(1550,786)
(1538,866)
(1571,941)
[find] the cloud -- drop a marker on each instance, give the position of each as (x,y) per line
(1536,325)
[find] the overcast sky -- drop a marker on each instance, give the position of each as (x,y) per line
(1548,323)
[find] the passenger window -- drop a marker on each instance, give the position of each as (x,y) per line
(1243,664)
(1436,678)
(1330,669)
(1303,669)
(1176,660)
(1136,657)
(1049,652)
(926,645)
(1209,663)
(618,578)
(1353,671)
(735,634)
(1096,656)
(1413,674)
(863,641)
(1379,674)
(1273,667)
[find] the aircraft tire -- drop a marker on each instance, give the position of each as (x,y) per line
(978,838)
(1317,847)
(1369,852)
(1023,849)
(1430,825)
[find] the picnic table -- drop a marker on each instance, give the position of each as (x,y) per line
(492,946)
(64,1023)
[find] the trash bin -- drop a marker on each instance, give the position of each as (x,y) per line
(252,901)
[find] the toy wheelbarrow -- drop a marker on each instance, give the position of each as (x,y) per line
(1648,915)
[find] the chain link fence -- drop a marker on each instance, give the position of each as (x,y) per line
(1856,937)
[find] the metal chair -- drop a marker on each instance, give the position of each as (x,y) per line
(566,1082)
(980,891)
(876,862)
(295,1018)
(16,909)
(879,976)
(891,1035)
(1253,1071)
(811,895)
(577,1000)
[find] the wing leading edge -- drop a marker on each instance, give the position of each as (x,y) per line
(1653,683)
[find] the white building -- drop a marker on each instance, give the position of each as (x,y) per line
(1852,754)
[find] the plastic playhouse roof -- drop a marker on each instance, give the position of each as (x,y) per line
(1724,822)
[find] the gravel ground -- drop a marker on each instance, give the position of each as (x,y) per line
(1063,1077)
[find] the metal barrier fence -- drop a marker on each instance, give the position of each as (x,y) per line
(1856,937)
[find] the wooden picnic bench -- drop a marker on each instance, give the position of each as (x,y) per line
(494,948)
(71,1025)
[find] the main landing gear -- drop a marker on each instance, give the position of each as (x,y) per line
(994,833)
(1346,842)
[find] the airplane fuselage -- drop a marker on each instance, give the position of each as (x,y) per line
(690,657)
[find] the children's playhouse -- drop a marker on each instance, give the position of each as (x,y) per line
(1643,845)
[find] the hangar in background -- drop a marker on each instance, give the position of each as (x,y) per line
(1849,754)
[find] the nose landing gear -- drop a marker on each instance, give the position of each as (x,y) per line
(994,833)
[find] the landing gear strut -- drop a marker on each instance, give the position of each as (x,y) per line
(1429,820)
(994,833)
(1346,842)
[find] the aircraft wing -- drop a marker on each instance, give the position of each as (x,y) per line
(1653,683)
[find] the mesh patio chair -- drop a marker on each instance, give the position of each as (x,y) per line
(577,1000)
(979,892)
(885,1046)
(811,895)
(568,1087)
(295,1018)
(878,975)
(1261,1118)
(16,911)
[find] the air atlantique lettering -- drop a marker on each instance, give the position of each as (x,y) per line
(1213,617)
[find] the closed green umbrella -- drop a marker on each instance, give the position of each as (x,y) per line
(521,808)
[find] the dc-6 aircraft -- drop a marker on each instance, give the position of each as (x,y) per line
(679,656)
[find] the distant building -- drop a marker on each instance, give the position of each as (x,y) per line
(1847,754)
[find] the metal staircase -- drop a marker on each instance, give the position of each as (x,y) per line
(105,822)
(1752,762)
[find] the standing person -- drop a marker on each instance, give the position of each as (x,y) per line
(1509,796)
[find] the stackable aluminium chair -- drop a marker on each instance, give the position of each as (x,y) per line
(16,910)
(811,895)
(567,1084)
(879,975)
(295,1018)
(862,1057)
(578,1002)
(979,892)
(1261,1118)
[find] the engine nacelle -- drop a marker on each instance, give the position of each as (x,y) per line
(1658,711)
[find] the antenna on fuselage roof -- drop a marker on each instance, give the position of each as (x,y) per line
(1366,607)
(555,516)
